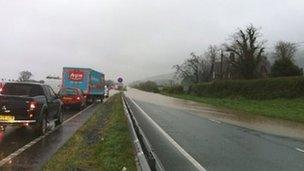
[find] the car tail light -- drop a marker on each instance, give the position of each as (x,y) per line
(78,97)
(33,105)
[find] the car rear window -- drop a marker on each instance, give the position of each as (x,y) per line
(68,91)
(22,90)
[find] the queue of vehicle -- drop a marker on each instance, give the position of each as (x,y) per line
(34,105)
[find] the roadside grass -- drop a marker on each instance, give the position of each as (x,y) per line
(288,109)
(102,143)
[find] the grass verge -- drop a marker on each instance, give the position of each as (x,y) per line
(289,109)
(102,143)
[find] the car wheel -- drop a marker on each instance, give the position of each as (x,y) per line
(83,106)
(41,127)
(59,118)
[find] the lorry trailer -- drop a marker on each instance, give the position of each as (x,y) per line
(91,82)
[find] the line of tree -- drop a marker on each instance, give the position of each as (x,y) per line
(244,57)
(25,76)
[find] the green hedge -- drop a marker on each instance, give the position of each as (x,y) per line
(174,89)
(149,86)
(286,87)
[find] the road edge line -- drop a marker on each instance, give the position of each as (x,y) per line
(36,140)
(195,163)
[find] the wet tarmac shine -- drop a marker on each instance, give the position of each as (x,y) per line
(215,144)
(34,156)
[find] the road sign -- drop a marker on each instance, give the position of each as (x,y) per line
(120,80)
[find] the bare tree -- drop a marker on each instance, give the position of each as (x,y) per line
(195,69)
(284,60)
(212,56)
(246,51)
(25,76)
(189,69)
(285,51)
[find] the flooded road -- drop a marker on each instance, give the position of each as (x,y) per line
(260,123)
(218,139)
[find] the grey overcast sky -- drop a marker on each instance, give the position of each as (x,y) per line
(132,38)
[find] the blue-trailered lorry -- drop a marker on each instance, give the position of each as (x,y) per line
(91,82)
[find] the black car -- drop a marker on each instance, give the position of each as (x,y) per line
(29,104)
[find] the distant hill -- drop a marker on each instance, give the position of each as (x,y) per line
(160,77)
(163,79)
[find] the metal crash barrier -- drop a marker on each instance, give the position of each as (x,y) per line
(146,158)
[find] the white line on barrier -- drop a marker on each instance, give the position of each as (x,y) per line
(77,114)
(171,140)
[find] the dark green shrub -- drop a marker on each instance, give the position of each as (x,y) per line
(285,87)
(148,86)
(285,68)
(174,89)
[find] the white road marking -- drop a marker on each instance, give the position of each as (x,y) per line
(171,140)
(77,114)
(301,150)
(22,149)
(215,121)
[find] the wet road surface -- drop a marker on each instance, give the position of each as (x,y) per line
(32,158)
(14,138)
(215,144)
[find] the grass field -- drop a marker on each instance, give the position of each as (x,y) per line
(102,143)
(289,109)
